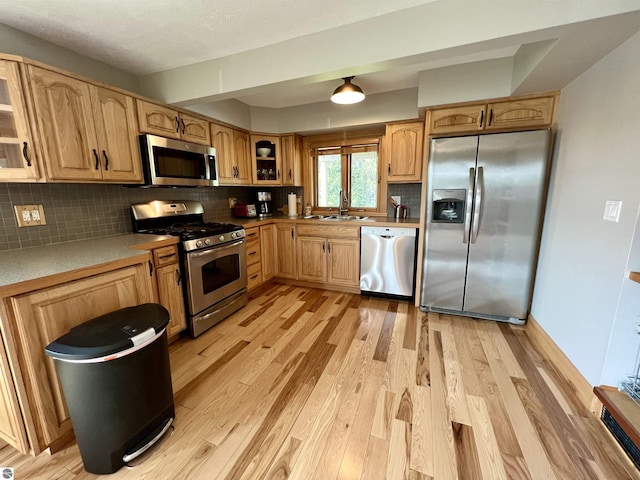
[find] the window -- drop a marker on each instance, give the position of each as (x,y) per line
(350,169)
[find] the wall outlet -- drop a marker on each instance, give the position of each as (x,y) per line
(30,215)
(232,202)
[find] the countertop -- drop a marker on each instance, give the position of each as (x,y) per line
(371,221)
(18,267)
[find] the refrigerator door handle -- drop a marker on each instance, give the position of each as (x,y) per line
(477,208)
(467,213)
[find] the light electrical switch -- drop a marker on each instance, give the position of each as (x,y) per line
(612,210)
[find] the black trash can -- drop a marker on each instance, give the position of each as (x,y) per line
(115,376)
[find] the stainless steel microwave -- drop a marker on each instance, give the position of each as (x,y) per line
(168,162)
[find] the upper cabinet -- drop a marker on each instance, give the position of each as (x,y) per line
(167,122)
(232,154)
(266,157)
(291,160)
(17,155)
(403,151)
(88,133)
(500,115)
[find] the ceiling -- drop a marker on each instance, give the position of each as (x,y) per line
(285,53)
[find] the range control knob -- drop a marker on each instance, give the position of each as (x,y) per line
(207,241)
(233,234)
(221,238)
(199,243)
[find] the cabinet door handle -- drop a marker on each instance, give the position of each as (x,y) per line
(292,233)
(323,247)
(184,127)
(177,125)
(278,174)
(329,246)
(290,174)
(481,119)
(106,160)
(95,154)
(389,170)
(25,153)
(166,256)
(490,117)
(150,269)
(253,277)
(178,277)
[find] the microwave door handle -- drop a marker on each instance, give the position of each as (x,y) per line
(216,249)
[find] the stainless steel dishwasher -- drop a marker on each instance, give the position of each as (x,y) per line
(388,261)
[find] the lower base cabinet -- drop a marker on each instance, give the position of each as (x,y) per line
(39,318)
(169,288)
(285,247)
(329,255)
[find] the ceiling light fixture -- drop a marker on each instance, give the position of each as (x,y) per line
(347,93)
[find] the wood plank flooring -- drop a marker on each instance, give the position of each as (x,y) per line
(311,384)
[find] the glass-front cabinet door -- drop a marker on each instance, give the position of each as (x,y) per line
(17,155)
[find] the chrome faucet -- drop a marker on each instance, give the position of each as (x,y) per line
(341,203)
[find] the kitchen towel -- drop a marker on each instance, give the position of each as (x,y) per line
(292,201)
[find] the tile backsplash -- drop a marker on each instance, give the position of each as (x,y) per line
(411,194)
(79,211)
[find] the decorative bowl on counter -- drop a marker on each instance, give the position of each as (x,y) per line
(263,152)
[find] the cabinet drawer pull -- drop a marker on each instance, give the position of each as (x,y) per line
(253,277)
(177,125)
(166,256)
(178,277)
(184,127)
(95,154)
(481,119)
(252,234)
(25,153)
(106,160)
(252,253)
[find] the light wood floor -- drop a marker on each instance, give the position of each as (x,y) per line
(311,384)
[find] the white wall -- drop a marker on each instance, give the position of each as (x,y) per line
(583,260)
(16,42)
(231,111)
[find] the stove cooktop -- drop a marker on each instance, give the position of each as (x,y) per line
(193,231)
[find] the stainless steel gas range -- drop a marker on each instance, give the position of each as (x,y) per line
(213,258)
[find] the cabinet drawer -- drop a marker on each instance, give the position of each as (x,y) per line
(253,252)
(329,231)
(254,276)
(251,234)
(165,256)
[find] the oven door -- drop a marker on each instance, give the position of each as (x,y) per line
(215,274)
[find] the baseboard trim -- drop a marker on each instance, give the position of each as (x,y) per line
(543,342)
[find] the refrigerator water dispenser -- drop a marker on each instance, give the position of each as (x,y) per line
(448,205)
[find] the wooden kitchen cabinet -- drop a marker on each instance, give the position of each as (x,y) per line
(285,248)
(268,250)
(503,115)
(12,428)
(329,255)
(291,146)
(167,122)
(88,133)
(232,155)
(254,257)
(17,155)
(403,151)
(266,168)
(44,315)
(169,288)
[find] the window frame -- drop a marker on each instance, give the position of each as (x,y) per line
(345,147)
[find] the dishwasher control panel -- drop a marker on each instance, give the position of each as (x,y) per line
(388,231)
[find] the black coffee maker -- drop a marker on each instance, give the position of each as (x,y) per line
(264,204)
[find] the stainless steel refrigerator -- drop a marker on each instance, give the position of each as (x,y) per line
(484,208)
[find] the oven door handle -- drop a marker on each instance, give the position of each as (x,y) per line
(216,248)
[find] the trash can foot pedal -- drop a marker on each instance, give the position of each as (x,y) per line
(148,442)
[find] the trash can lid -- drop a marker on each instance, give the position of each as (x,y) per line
(109,333)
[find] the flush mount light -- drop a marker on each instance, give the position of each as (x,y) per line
(347,93)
